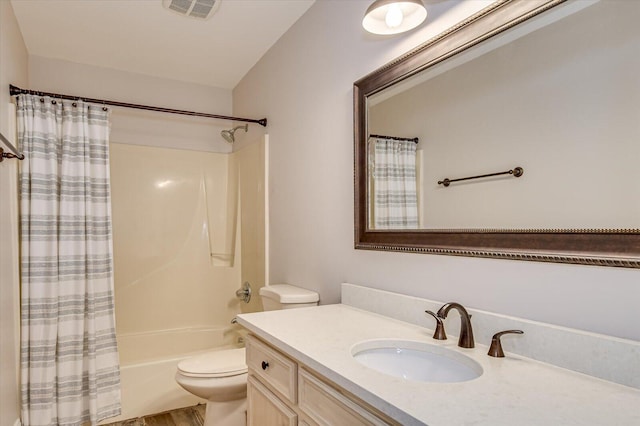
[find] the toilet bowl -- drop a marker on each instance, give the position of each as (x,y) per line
(220,377)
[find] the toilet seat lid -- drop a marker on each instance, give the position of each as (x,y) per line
(222,363)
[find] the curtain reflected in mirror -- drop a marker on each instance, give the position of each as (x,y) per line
(393,190)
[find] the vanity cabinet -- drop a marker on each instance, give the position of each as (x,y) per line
(283,392)
(264,408)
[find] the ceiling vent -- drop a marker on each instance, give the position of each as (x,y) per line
(200,9)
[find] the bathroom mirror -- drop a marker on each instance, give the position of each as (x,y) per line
(548,88)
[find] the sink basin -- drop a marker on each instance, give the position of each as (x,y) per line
(418,361)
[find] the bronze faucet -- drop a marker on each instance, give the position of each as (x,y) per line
(466,332)
(439,333)
(496,347)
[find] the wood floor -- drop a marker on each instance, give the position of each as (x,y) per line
(190,416)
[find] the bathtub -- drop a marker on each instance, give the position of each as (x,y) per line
(148,363)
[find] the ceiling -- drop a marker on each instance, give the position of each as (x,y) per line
(142,36)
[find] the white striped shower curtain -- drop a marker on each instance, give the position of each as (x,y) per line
(394,189)
(69,360)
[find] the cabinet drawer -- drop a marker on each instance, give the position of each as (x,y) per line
(326,406)
(273,368)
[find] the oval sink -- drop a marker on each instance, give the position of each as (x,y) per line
(417,361)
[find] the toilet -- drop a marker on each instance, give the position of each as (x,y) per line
(220,377)
(285,296)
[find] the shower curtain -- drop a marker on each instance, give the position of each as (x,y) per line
(69,359)
(395,197)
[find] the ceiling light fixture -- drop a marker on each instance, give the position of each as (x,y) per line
(394,16)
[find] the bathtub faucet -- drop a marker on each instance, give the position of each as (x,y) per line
(244,293)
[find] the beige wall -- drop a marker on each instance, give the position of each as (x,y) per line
(9,285)
(13,69)
(303,85)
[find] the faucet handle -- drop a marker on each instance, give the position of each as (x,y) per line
(439,334)
(244,293)
(496,346)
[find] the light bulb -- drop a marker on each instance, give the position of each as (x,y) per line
(394,16)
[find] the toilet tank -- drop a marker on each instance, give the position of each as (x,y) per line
(285,296)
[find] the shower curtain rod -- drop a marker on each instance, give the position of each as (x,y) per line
(416,140)
(15,91)
(16,154)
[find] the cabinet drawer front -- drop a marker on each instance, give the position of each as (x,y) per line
(265,409)
(273,368)
(326,406)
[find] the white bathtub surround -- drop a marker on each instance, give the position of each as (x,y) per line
(511,391)
(174,294)
(149,346)
(605,357)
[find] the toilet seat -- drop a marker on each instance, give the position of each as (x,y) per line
(223,363)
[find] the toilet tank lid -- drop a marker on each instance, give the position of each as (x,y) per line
(285,293)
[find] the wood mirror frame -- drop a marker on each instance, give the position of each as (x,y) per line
(603,247)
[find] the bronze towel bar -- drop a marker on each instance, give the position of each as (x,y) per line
(516,172)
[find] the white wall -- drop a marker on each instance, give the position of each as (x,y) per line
(304,87)
(13,69)
(139,127)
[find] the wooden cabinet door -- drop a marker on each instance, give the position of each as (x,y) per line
(326,406)
(265,409)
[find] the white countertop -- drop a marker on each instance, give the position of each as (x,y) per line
(512,391)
